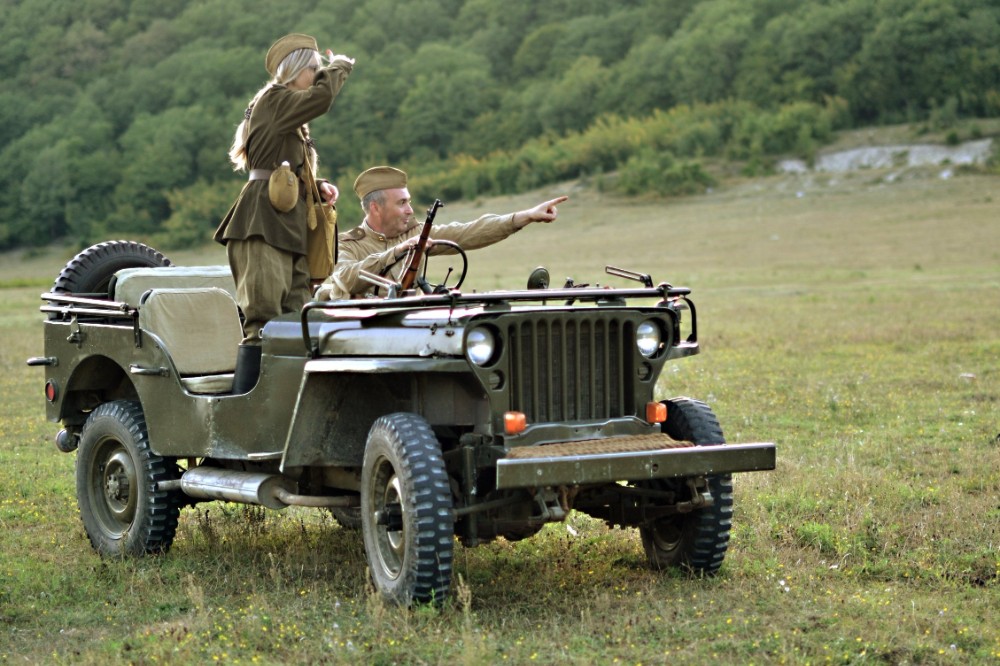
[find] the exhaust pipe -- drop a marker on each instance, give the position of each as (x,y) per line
(245,487)
(269,490)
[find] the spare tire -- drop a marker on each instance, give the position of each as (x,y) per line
(89,273)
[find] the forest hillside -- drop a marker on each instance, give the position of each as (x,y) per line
(116,115)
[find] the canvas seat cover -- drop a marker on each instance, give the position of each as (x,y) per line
(200,328)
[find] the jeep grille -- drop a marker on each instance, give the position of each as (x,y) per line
(571,368)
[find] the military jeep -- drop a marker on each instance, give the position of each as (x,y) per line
(415,418)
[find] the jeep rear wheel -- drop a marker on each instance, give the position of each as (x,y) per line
(123,513)
(406,508)
(90,271)
(698,539)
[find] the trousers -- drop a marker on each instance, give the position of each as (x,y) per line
(269,282)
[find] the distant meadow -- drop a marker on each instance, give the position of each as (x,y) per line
(851,319)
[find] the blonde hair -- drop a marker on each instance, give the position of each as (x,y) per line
(288,70)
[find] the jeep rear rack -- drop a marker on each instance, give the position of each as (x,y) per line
(70,307)
(74,304)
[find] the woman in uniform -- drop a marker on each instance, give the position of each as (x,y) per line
(266,245)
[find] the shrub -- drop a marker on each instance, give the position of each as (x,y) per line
(662,174)
(644,149)
(195,213)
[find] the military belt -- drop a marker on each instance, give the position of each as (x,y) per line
(260,174)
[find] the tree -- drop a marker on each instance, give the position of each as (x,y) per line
(572,102)
(919,54)
(703,57)
(449,90)
(86,49)
(356,132)
(195,213)
(45,196)
(159,154)
(535,54)
(497,29)
(637,84)
(607,38)
(514,120)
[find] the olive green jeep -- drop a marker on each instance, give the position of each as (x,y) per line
(415,418)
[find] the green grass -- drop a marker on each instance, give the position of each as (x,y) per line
(850,320)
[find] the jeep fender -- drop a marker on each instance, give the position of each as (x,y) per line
(345,396)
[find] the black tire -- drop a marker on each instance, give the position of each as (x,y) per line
(116,475)
(90,271)
(404,477)
(697,540)
(348,517)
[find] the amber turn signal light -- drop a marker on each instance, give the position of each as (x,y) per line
(514,422)
(656,412)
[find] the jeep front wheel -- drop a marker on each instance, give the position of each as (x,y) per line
(406,511)
(698,539)
(123,513)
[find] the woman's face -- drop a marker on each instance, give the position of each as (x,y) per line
(306,77)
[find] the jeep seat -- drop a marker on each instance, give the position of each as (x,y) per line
(129,284)
(200,330)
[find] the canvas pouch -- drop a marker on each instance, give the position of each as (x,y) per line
(322,232)
(283,188)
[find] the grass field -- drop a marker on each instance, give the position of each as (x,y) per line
(852,320)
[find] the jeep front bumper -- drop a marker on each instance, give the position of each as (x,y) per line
(635,458)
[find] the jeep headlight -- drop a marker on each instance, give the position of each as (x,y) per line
(647,338)
(480,344)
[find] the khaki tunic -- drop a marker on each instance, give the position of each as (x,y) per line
(363,248)
(267,248)
(273,139)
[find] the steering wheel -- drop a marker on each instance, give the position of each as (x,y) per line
(465,265)
(439,288)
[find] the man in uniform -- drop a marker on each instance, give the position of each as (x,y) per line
(389,232)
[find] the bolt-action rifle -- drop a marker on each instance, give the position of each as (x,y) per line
(410,273)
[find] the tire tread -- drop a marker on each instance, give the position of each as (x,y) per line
(159,520)
(693,420)
(424,469)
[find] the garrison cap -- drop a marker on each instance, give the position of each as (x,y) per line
(284,46)
(379,178)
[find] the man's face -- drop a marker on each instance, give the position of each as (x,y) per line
(393,217)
